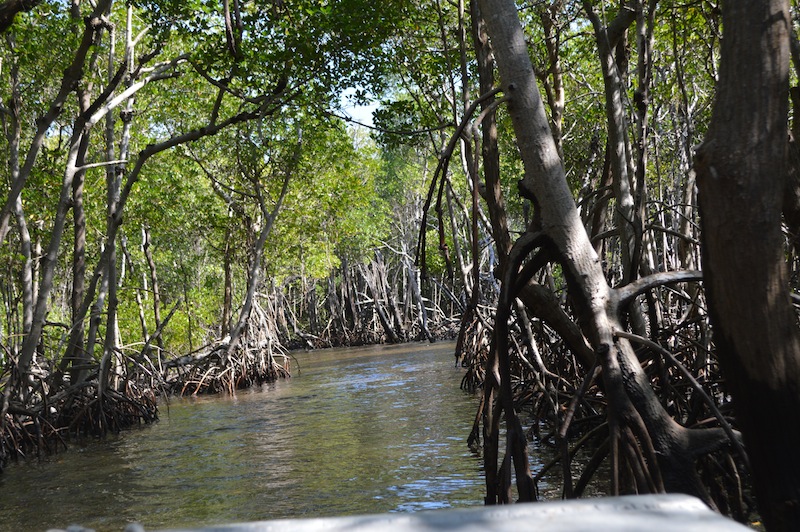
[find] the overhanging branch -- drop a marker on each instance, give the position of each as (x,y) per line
(625,294)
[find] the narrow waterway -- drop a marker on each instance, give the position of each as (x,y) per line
(376,429)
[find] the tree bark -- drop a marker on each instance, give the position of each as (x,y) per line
(350,298)
(50,260)
(372,276)
(156,291)
(643,435)
(254,274)
(75,348)
(413,282)
(741,171)
(340,332)
(607,38)
(13,134)
(227,298)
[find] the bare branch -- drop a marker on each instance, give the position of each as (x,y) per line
(98,165)
(626,293)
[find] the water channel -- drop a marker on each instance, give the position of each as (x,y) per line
(375,429)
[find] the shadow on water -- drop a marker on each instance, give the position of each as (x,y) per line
(377,429)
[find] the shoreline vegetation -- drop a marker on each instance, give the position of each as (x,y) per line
(70,405)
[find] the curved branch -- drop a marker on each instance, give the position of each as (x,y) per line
(672,232)
(491,108)
(499,361)
(625,294)
(441,169)
(531,268)
(72,75)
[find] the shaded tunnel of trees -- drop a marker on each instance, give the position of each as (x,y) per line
(598,201)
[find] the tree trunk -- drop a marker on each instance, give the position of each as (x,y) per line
(350,298)
(13,135)
(612,61)
(27,279)
(741,171)
(138,294)
(254,274)
(50,260)
(372,278)
(388,294)
(72,75)
(643,435)
(227,298)
(75,349)
(340,333)
(413,282)
(156,292)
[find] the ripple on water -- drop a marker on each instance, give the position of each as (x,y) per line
(355,431)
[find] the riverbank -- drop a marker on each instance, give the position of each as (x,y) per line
(354,431)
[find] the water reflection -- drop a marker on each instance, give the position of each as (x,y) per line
(354,431)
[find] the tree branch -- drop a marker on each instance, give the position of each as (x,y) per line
(441,169)
(625,294)
(72,75)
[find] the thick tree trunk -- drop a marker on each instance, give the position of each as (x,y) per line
(742,167)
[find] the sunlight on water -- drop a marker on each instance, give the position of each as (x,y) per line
(378,429)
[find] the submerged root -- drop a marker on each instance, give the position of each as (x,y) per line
(28,435)
(222,371)
(74,412)
(472,352)
(90,414)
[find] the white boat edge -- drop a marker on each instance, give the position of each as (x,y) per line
(650,513)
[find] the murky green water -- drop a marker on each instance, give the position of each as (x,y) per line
(365,430)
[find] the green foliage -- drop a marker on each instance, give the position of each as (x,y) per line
(400,123)
(434,255)
(332,210)
(318,47)
(347,193)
